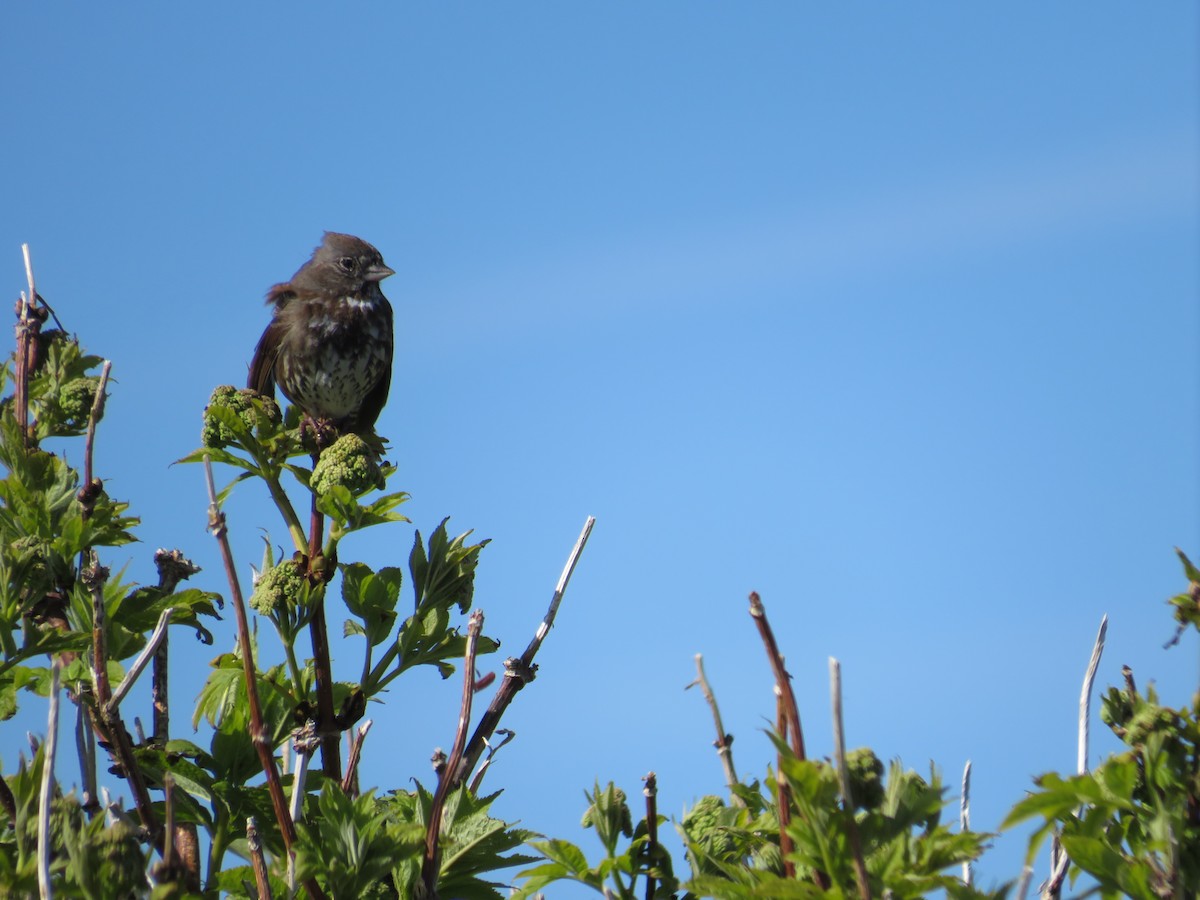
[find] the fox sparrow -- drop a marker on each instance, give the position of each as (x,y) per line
(329,343)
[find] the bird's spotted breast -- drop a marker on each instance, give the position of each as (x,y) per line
(349,348)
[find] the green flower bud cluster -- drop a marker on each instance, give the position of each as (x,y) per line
(243,404)
(703,822)
(866,777)
(75,400)
(347,463)
(1150,719)
(279,589)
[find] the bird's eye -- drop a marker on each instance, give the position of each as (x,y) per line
(346,263)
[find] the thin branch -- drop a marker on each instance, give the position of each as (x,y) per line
(1060,861)
(169,831)
(318,631)
(143,660)
(518,672)
(47,788)
(91,485)
(839,754)
(559,589)
(105,714)
(1023,882)
(783,681)
(305,742)
(173,567)
(651,792)
(29,323)
(492,750)
(964,816)
(85,747)
(29,273)
(1085,695)
(262,882)
(258,732)
(446,781)
(784,793)
(724,741)
(350,779)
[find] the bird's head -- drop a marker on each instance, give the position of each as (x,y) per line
(343,264)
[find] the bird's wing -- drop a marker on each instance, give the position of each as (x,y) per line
(262,367)
(373,402)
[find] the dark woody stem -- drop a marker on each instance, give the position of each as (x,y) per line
(331,749)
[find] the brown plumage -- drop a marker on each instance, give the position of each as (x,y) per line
(329,343)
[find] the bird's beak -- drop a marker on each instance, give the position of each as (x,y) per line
(378,272)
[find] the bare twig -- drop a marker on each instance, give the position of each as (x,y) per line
(168,856)
(651,792)
(724,741)
(29,273)
(47,788)
(492,750)
(783,681)
(559,589)
(518,672)
(29,323)
(1085,695)
(839,753)
(187,846)
(1059,860)
(1023,882)
(306,743)
(92,486)
(964,816)
(173,567)
(350,779)
(143,660)
(258,731)
(105,714)
(256,860)
(85,747)
(446,780)
(783,791)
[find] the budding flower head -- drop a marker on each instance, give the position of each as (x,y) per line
(279,589)
(865,770)
(348,463)
(76,399)
(245,404)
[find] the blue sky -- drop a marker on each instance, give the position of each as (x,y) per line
(888,312)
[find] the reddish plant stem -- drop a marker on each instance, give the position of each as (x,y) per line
(105,717)
(446,780)
(350,779)
(783,681)
(258,731)
(261,881)
(783,792)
